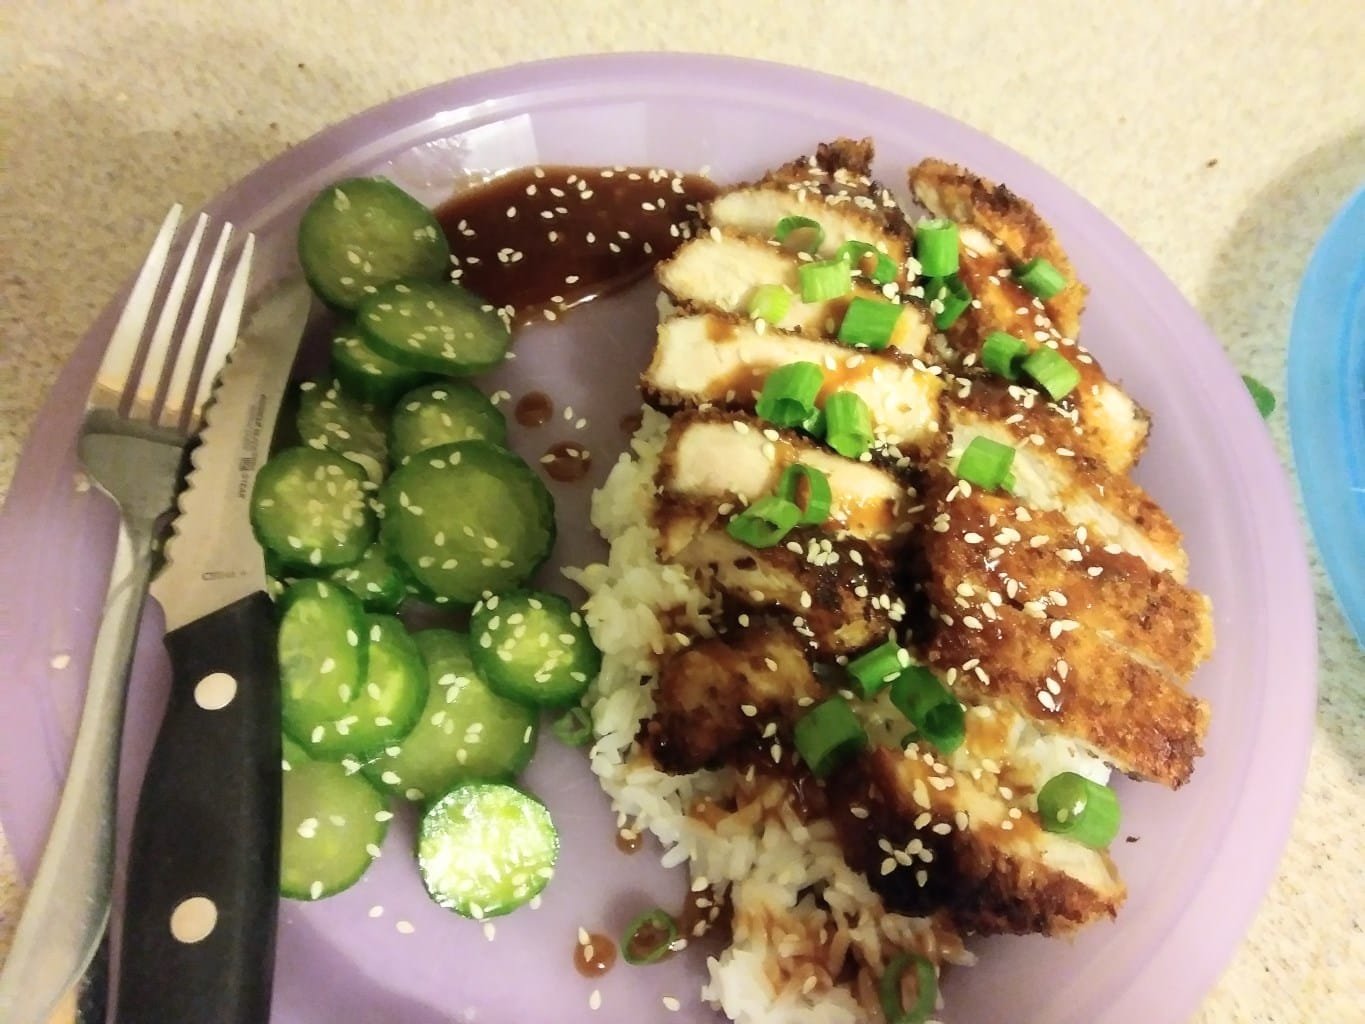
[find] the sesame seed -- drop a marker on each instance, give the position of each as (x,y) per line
(404,927)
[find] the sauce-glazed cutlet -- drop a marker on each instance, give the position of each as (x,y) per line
(999,231)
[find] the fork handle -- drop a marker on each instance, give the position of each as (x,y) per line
(203,874)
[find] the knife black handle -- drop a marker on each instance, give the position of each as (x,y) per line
(198,940)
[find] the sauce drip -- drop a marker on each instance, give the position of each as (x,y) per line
(534,409)
(544,239)
(628,841)
(595,957)
(631,421)
(567,461)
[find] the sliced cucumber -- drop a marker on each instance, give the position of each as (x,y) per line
(435,326)
(467,518)
(362,233)
(310,508)
(466,732)
(533,647)
(437,414)
(323,659)
(329,419)
(375,580)
(383,709)
(366,376)
(332,824)
(486,848)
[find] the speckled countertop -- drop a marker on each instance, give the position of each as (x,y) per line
(1220,134)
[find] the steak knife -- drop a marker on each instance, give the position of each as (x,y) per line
(201,898)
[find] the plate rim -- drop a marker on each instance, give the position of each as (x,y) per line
(1285,723)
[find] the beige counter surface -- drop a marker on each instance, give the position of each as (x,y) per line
(1221,135)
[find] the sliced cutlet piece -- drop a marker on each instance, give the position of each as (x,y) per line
(988,549)
(719,271)
(999,231)
(934,840)
(834,188)
(725,691)
(1052,475)
(712,360)
(718,462)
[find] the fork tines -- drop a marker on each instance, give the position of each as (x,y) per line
(164,379)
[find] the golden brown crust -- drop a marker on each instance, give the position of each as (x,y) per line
(987,877)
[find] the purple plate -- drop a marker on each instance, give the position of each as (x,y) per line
(1204,856)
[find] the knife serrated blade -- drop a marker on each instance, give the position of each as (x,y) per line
(203,871)
(212,558)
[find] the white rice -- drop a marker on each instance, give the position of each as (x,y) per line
(787,949)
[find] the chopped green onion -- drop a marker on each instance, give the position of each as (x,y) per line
(789,393)
(1072,805)
(805,228)
(1008,484)
(930,707)
(952,295)
(770,302)
(985,463)
(824,279)
(765,522)
(856,254)
(1002,354)
(649,938)
(574,727)
(827,735)
(1261,395)
(818,497)
(848,424)
(926,990)
(814,424)
(875,669)
(870,322)
(1050,369)
(1041,278)
(936,247)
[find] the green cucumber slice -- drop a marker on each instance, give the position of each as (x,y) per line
(442,413)
(466,731)
(533,647)
(435,326)
(467,518)
(368,377)
(311,509)
(375,580)
(330,419)
(486,848)
(332,824)
(323,659)
(362,233)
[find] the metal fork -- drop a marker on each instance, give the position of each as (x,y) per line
(138,420)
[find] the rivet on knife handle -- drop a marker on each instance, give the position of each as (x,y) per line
(204,866)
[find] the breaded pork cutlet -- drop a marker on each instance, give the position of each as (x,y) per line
(999,232)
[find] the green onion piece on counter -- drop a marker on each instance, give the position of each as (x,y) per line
(574,727)
(926,990)
(1072,805)
(985,463)
(817,493)
(1003,353)
(789,393)
(1261,395)
(875,669)
(930,707)
(809,232)
(952,295)
(765,522)
(769,302)
(936,247)
(857,255)
(649,938)
(814,424)
(824,279)
(1052,372)
(1041,278)
(827,735)
(848,424)
(870,322)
